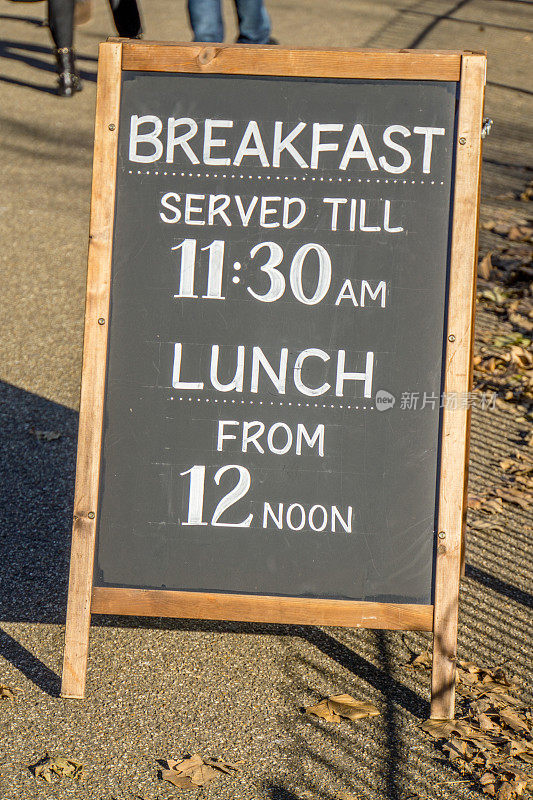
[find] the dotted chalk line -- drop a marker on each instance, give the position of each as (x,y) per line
(267,403)
(302,178)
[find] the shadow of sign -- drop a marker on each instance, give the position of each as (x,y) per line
(37,462)
(37,469)
(36,507)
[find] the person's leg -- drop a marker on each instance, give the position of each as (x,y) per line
(206,20)
(61,22)
(127,18)
(254,22)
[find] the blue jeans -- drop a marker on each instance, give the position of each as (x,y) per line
(208,26)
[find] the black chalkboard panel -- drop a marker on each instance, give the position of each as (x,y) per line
(276,331)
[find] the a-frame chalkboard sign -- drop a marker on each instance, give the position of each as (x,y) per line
(279,308)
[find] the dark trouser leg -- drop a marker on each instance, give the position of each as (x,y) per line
(206,20)
(254,22)
(61,21)
(127,18)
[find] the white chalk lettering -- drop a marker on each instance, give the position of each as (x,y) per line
(165,202)
(209,142)
(428,134)
(286,144)
(335,203)
(278,379)
(336,516)
(365,376)
(310,352)
(347,293)
(358,135)
(365,287)
(245,215)
(185,142)
(237,380)
(151,137)
(177,383)
(406,155)
(318,436)
(267,511)
(317,146)
(222,437)
(244,151)
(386,220)
(287,203)
(280,451)
(182,140)
(252,439)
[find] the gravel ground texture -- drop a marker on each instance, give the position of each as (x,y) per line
(164,688)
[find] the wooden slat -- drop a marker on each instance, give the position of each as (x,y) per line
(458,366)
(93,372)
(471,379)
(254,608)
(268,60)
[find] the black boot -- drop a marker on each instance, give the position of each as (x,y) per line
(68,80)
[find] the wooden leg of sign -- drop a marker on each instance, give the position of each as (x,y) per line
(455,422)
(463,552)
(445,655)
(93,382)
(78,610)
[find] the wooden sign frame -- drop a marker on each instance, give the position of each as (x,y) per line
(469,70)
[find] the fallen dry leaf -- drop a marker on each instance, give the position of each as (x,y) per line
(195,771)
(9,692)
(517,497)
(484,267)
(45,436)
(497,226)
(421,661)
(456,748)
(495,295)
(494,730)
(505,792)
(442,728)
(58,766)
(474,502)
(485,723)
(513,720)
(508,340)
(520,233)
(514,748)
(469,666)
(333,708)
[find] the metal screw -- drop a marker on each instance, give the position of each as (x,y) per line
(91,514)
(442,534)
(111,126)
(462,140)
(451,337)
(101,321)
